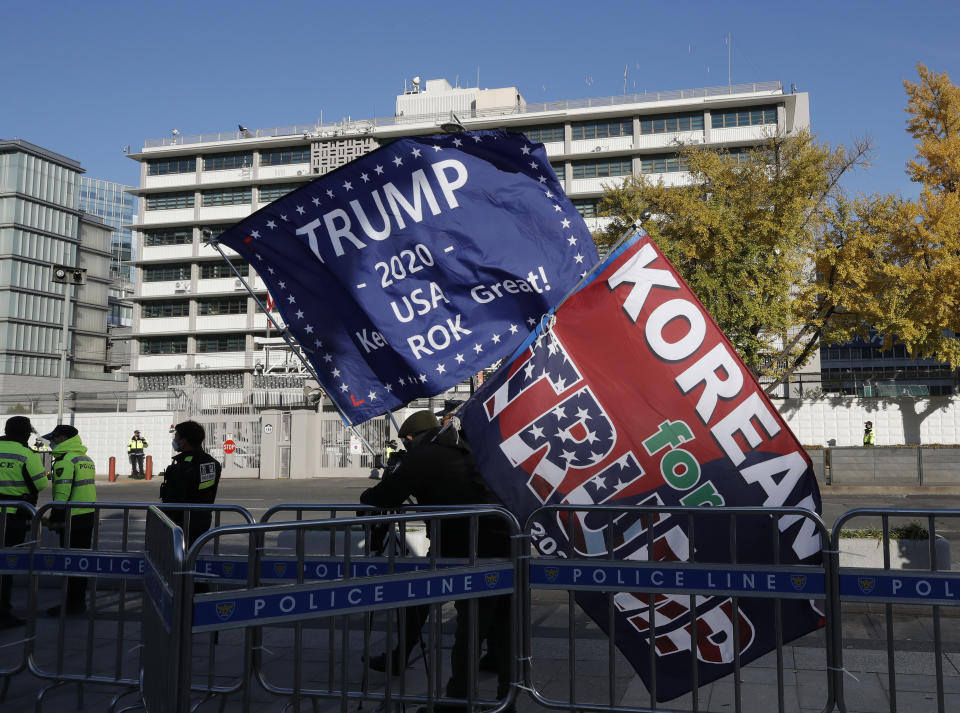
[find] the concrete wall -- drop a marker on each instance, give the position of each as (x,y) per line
(896,421)
(107,434)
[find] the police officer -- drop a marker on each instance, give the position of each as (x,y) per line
(869,437)
(74,481)
(135,453)
(191,478)
(22,477)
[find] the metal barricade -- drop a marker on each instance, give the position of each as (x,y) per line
(14,562)
(664,577)
(903,579)
(93,646)
(331,582)
(165,684)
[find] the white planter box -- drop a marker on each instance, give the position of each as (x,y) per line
(904,554)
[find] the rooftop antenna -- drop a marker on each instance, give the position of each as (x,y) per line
(729,59)
(478,76)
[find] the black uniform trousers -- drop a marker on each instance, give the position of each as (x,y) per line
(136,464)
(81,537)
(15,534)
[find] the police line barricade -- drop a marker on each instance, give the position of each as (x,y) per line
(15,517)
(672,604)
(69,648)
(165,683)
(902,573)
(275,611)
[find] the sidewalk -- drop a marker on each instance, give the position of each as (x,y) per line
(804,680)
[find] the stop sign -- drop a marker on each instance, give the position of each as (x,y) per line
(229,446)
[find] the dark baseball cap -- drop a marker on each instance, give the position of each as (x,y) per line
(61,430)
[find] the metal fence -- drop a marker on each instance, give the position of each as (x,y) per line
(287,611)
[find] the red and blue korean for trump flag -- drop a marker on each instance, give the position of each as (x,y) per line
(407,270)
(633,396)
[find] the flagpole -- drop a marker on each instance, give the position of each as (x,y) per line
(213,242)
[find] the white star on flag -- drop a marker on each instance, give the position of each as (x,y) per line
(364,177)
(401,381)
(330,193)
(372,396)
(270,270)
(255,234)
(271,224)
(284,218)
(477,348)
(458,143)
(557,209)
(548,194)
(416,153)
(389,388)
(327,358)
(291,299)
(283,285)
(299,314)
(423,378)
(565,223)
(336,373)
(315,201)
(476,139)
(459,358)
(531,321)
(397,161)
(379,170)
(308,329)
(541,179)
(317,343)
(536,432)
(495,338)
(300,210)
(579,258)
(437,148)
(513,329)
(441,368)
(525,150)
(344,387)
(572,240)
(347,186)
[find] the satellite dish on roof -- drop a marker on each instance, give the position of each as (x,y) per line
(416,81)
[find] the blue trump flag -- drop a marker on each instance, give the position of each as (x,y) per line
(416,265)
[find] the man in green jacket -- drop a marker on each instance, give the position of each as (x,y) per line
(22,477)
(73,482)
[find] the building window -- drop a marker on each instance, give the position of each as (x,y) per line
(544,134)
(559,169)
(227,196)
(224,305)
(163,273)
(671,122)
(602,129)
(167,308)
(668,163)
(163,345)
(282,157)
(164,167)
(210,270)
(268,194)
(587,207)
(223,161)
(221,343)
(167,236)
(168,201)
(754,116)
(602,169)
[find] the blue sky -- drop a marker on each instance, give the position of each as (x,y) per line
(85,79)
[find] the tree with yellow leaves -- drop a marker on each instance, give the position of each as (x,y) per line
(766,240)
(918,294)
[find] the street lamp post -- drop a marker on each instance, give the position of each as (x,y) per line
(66,276)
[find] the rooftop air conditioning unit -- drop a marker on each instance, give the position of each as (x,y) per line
(299,173)
(181,286)
(238,284)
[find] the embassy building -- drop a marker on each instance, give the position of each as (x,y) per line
(194,323)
